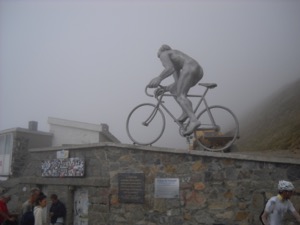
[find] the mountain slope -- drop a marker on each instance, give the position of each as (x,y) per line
(276,125)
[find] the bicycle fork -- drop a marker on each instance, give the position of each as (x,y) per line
(150,118)
(153,114)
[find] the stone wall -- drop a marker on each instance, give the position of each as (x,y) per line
(215,188)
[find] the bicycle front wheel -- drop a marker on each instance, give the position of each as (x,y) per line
(219,129)
(145,124)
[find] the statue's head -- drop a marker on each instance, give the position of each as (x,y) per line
(162,49)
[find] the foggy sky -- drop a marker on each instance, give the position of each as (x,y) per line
(89,61)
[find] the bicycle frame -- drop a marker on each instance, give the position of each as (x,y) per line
(219,125)
(182,125)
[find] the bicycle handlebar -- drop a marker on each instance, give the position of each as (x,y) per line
(147,87)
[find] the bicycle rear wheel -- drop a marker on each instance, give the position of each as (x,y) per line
(145,124)
(220,134)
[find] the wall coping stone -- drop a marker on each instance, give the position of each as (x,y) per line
(226,155)
(90,181)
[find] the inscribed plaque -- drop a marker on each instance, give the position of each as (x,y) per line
(131,187)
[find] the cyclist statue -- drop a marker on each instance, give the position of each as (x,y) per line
(187,73)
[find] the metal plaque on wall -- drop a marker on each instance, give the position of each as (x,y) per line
(166,188)
(70,167)
(131,187)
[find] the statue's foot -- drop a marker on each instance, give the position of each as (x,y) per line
(190,129)
(182,118)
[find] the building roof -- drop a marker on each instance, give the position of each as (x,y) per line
(25,130)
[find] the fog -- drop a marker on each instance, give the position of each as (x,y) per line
(90,61)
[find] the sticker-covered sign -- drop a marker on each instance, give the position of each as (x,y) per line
(71,167)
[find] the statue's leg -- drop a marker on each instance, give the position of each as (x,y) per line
(173,88)
(183,117)
(189,77)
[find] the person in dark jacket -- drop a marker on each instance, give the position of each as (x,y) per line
(57,211)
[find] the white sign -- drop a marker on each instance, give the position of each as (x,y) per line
(166,188)
(63,154)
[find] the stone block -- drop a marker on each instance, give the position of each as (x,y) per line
(198,166)
(219,205)
(199,186)
(227,215)
(170,169)
(242,215)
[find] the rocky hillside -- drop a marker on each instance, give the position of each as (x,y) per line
(276,125)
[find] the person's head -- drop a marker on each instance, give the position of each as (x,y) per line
(34,194)
(41,201)
(54,198)
(285,189)
(6,198)
(162,49)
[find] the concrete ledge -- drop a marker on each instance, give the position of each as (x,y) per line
(91,181)
(229,155)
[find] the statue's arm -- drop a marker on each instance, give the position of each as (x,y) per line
(167,64)
(168,70)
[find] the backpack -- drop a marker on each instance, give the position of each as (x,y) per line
(27,218)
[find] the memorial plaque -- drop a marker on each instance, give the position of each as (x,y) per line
(166,188)
(131,187)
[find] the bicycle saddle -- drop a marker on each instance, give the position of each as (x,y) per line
(208,85)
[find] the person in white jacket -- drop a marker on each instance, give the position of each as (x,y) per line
(39,219)
(278,206)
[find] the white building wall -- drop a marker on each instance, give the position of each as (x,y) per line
(67,132)
(69,135)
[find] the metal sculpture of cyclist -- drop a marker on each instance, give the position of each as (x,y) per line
(187,73)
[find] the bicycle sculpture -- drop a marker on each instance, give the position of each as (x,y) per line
(215,127)
(218,130)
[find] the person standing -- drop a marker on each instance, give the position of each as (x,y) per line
(39,219)
(57,211)
(29,204)
(4,213)
(26,215)
(278,206)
